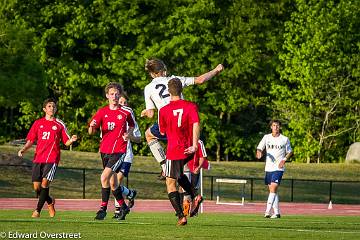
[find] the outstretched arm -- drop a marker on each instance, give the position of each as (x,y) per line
(207,76)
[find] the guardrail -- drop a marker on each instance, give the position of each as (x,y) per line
(15,181)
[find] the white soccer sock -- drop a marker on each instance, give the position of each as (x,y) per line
(270,202)
(157,150)
(116,204)
(276,204)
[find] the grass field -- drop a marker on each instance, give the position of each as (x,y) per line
(162,226)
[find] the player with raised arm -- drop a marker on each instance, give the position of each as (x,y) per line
(48,132)
(157,95)
(278,151)
(179,120)
(117,124)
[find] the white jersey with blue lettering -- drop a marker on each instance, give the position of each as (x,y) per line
(156,93)
(276,150)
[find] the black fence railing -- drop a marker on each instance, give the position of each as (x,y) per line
(15,181)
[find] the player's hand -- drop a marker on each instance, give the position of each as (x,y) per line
(125,136)
(219,68)
(20,152)
(282,163)
(143,113)
(93,123)
(73,138)
(190,150)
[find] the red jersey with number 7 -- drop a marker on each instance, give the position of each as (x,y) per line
(113,126)
(176,120)
(48,134)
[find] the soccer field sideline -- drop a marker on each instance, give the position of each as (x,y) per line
(142,205)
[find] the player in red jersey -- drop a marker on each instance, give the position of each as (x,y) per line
(192,171)
(179,120)
(117,125)
(48,132)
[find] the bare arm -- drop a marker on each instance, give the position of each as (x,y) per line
(149,113)
(282,162)
(207,76)
(129,135)
(27,145)
(71,140)
(258,153)
(196,136)
(92,128)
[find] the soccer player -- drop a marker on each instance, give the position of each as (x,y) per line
(126,165)
(113,121)
(47,131)
(192,171)
(179,120)
(278,151)
(157,95)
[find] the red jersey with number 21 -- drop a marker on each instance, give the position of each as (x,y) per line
(113,126)
(48,134)
(176,120)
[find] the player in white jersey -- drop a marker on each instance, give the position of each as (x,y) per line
(278,151)
(157,95)
(125,166)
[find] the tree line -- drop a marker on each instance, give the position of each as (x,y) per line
(294,60)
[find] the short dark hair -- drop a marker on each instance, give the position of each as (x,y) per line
(175,87)
(275,121)
(154,65)
(49,100)
(113,85)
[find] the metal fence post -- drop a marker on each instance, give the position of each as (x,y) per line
(330,190)
(251,188)
(212,187)
(83,173)
(292,190)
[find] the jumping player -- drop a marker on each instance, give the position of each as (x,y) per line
(157,96)
(113,121)
(278,151)
(48,132)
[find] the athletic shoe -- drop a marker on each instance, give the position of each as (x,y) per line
(275,216)
(131,202)
(123,212)
(51,208)
(116,213)
(186,207)
(182,221)
(100,215)
(267,215)
(196,205)
(35,214)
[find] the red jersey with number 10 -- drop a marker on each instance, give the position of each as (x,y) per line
(48,134)
(113,126)
(176,120)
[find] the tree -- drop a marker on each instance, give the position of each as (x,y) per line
(319,90)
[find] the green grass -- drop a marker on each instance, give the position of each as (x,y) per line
(162,226)
(68,182)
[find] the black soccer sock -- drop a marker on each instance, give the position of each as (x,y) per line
(118,193)
(105,195)
(44,194)
(37,193)
(186,185)
(49,200)
(182,198)
(174,198)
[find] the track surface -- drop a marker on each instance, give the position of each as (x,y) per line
(208,206)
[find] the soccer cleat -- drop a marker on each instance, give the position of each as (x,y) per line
(100,215)
(267,215)
(51,208)
(35,214)
(182,221)
(275,216)
(186,207)
(123,212)
(196,205)
(132,199)
(117,213)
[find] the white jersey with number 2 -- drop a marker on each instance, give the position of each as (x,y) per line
(276,150)
(157,93)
